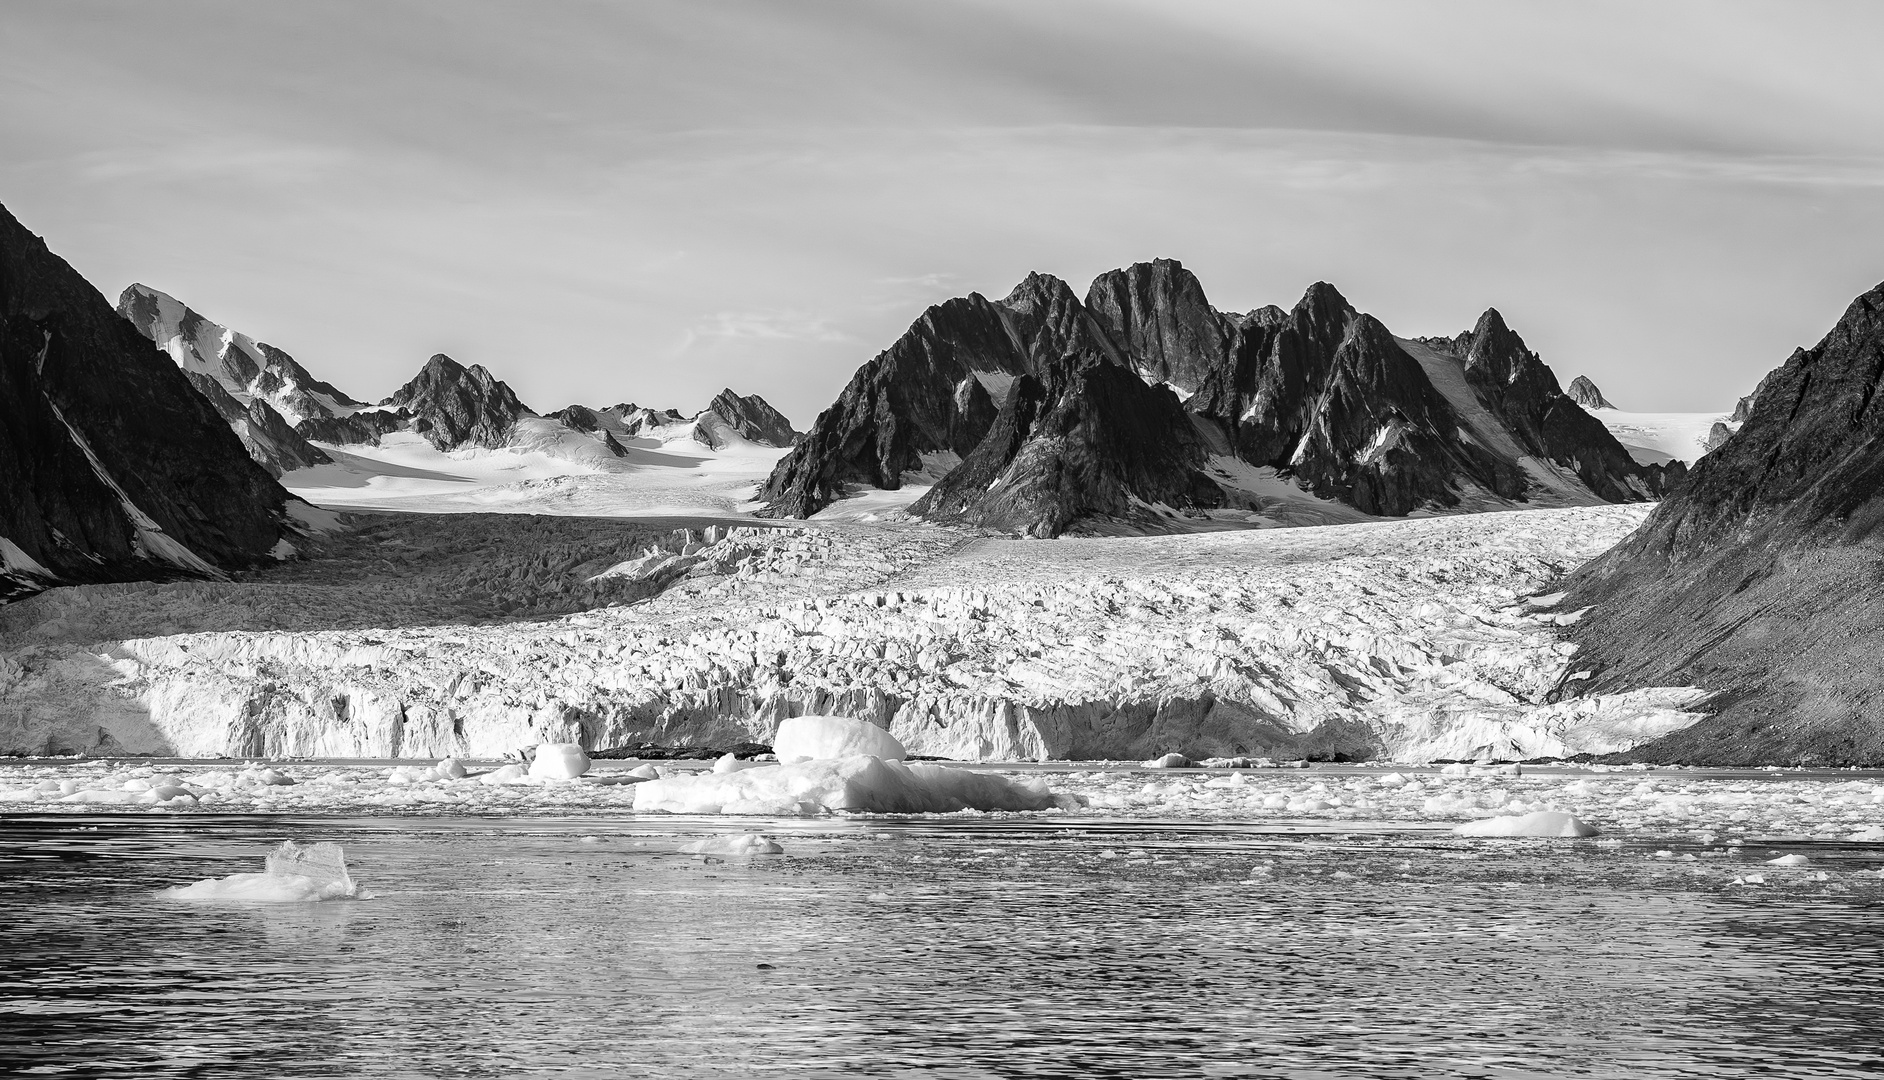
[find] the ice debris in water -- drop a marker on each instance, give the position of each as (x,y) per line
(726,763)
(296,873)
(559,761)
(1541,823)
(856,783)
(1788,860)
(807,738)
(737,844)
(1170,761)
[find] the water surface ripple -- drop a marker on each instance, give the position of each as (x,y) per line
(504,947)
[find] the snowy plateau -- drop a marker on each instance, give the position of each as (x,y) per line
(1402,641)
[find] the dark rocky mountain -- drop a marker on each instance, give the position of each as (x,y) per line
(1101,446)
(453,406)
(1584,393)
(265,435)
(1762,578)
(1321,396)
(751,418)
(259,390)
(112,468)
(933,392)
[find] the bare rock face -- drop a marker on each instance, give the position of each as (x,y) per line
(112,468)
(932,392)
(259,390)
(265,435)
(1322,394)
(1101,446)
(1584,393)
(752,418)
(1762,578)
(453,406)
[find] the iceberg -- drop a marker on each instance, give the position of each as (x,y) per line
(858,783)
(806,738)
(1541,823)
(559,761)
(296,873)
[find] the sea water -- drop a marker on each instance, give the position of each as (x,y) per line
(959,946)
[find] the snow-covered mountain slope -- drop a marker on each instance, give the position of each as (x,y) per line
(544,466)
(1658,438)
(259,390)
(1400,640)
(248,369)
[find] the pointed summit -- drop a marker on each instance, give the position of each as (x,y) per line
(453,406)
(1584,393)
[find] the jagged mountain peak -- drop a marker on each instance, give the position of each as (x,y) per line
(1322,394)
(452,405)
(1584,392)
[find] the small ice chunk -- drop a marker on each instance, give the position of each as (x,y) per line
(731,763)
(509,774)
(1392,779)
(646,772)
(296,873)
(1541,823)
(1169,761)
(817,738)
(559,761)
(737,844)
(450,769)
(1788,860)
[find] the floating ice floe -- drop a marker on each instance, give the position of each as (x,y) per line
(1541,823)
(859,783)
(1169,761)
(559,761)
(738,844)
(807,738)
(296,873)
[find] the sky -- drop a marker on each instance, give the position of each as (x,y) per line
(649,201)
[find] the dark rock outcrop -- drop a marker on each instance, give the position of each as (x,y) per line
(932,392)
(1762,578)
(363,427)
(751,418)
(453,406)
(112,467)
(1584,393)
(1321,394)
(1101,446)
(265,435)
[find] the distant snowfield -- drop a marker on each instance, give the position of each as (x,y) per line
(1406,641)
(1657,438)
(547,469)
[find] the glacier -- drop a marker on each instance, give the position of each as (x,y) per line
(1406,640)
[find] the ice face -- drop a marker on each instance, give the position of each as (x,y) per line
(803,738)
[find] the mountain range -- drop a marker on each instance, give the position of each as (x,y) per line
(1144,408)
(283,414)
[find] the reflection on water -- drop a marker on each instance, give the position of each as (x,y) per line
(948,948)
